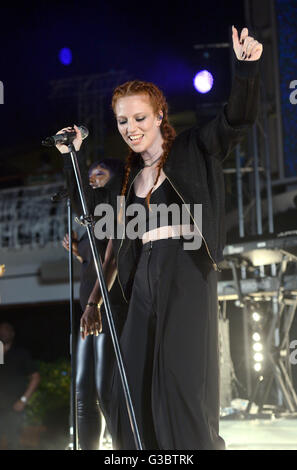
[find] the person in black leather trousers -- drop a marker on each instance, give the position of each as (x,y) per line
(94,354)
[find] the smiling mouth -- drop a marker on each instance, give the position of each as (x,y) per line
(136,138)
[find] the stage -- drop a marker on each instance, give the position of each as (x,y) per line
(255,434)
(260,434)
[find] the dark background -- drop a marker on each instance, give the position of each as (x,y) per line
(151,41)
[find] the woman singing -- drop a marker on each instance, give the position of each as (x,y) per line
(170,338)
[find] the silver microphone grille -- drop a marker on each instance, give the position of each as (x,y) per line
(84,131)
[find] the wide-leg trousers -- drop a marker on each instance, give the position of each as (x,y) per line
(170,350)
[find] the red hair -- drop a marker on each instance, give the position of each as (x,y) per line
(158,102)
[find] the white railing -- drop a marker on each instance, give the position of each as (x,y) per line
(29,217)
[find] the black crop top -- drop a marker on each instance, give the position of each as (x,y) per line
(159,216)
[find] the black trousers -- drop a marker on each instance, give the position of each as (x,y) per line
(95,359)
(170,351)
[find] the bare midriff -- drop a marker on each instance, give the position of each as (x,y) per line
(169,231)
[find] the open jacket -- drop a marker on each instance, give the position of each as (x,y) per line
(194,169)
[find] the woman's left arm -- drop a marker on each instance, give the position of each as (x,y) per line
(230,126)
(242,106)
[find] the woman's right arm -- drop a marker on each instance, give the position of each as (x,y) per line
(109,271)
(91,319)
(70,176)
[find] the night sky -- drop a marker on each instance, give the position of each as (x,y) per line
(152,41)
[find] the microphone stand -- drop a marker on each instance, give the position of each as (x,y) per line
(73,342)
(88,222)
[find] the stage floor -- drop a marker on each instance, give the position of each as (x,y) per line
(275,434)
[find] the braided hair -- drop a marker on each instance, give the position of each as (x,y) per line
(158,102)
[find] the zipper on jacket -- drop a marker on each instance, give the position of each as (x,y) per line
(148,275)
(123,240)
(215,266)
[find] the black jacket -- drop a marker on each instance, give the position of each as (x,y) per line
(194,168)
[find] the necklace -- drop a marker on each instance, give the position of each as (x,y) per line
(151,164)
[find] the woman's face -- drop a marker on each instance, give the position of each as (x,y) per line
(98,177)
(137,123)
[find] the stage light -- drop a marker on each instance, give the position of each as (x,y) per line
(258,357)
(257,367)
(257,347)
(256,316)
(203,81)
(65,56)
(256,337)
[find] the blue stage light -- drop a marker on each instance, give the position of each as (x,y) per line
(65,56)
(203,81)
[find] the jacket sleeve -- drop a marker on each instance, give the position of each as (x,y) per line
(72,185)
(219,136)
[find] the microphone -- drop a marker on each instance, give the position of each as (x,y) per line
(65,138)
(60,195)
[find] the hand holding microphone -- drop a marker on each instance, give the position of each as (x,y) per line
(76,136)
(77,141)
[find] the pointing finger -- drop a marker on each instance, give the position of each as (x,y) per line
(244,34)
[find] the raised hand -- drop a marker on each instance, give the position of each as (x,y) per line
(246,47)
(77,141)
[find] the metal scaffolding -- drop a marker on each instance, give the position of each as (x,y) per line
(90,92)
(254,182)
